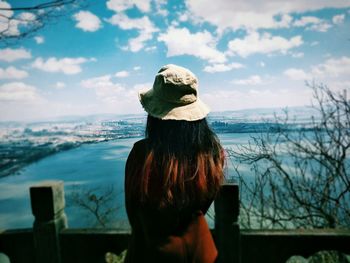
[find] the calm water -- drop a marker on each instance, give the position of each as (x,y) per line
(91,166)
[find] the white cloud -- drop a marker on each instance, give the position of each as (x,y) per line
(122,74)
(322,27)
(60,85)
(340,86)
(175,23)
(338,19)
(296,74)
(255,14)
(8,27)
(222,67)
(183,17)
(297,54)
(312,23)
(12,73)
(67,66)
(264,43)
(96,82)
(27,17)
(332,68)
(160,7)
(18,91)
(151,49)
(136,44)
(262,64)
(144,26)
(10,55)
(256,98)
(39,39)
(10,22)
(252,80)
(180,41)
(87,21)
(114,96)
(136,68)
(122,5)
(307,20)
(5,13)
(104,88)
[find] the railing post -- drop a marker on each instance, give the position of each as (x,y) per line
(47,200)
(226,224)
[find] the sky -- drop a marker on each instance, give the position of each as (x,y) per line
(247,54)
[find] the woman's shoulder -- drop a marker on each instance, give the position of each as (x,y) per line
(136,155)
(140,145)
(138,150)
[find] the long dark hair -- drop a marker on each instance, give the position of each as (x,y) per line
(183,165)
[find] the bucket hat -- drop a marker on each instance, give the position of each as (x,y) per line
(174,95)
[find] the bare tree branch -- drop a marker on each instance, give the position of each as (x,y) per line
(19,22)
(99,203)
(50,4)
(300,170)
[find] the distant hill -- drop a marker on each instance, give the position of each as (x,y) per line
(245,115)
(299,114)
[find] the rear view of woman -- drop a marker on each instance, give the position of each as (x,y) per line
(173,175)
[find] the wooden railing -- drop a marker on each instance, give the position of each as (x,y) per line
(50,239)
(250,246)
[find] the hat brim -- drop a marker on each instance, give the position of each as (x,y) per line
(165,110)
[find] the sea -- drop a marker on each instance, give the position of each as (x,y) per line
(93,175)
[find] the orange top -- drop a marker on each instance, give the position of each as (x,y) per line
(165,234)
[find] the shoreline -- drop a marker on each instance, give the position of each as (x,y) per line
(32,146)
(34,153)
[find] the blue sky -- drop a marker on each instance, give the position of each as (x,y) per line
(246,54)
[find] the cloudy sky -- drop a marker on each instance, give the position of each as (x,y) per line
(246,54)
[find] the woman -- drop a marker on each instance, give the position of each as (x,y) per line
(173,175)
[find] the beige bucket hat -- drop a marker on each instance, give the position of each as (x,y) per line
(174,95)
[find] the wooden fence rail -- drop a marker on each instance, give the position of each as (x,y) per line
(50,239)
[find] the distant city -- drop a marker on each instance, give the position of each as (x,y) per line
(24,143)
